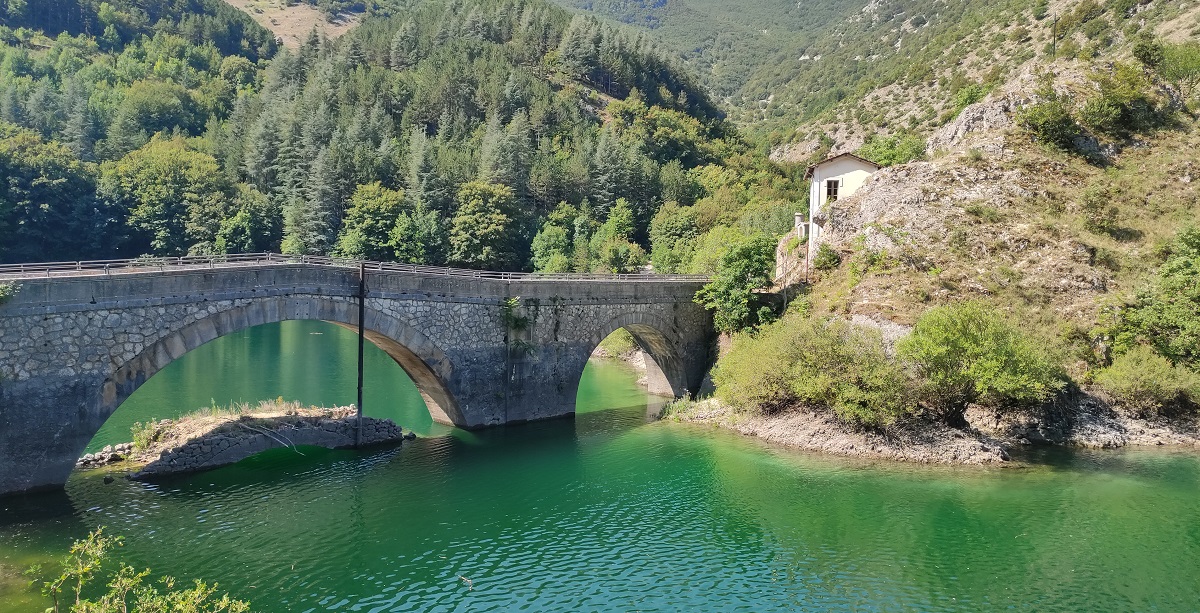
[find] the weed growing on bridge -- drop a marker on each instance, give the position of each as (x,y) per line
(7,291)
(508,314)
(86,563)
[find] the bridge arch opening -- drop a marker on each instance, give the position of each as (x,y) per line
(418,379)
(644,341)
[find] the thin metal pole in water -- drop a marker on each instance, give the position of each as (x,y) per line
(362,315)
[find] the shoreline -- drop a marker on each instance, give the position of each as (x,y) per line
(1082,422)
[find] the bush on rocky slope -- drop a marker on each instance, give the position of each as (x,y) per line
(1145,384)
(828,365)
(967,353)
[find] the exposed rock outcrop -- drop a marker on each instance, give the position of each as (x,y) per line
(815,431)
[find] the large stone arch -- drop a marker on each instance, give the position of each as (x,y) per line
(666,373)
(417,355)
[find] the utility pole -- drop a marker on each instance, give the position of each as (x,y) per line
(362,316)
(1054,38)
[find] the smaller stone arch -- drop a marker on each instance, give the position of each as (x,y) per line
(666,372)
(420,358)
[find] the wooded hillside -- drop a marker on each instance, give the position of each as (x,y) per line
(499,134)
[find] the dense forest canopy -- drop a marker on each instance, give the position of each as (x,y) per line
(117,22)
(500,134)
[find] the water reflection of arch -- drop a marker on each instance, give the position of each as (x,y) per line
(424,362)
(666,373)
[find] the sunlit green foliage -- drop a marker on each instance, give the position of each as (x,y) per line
(366,233)
(440,96)
(7,291)
(744,267)
(47,200)
(827,258)
(481,233)
(76,587)
(968,353)
(1167,314)
(892,150)
(672,233)
(822,364)
(1146,384)
(176,197)
(1180,65)
(1050,121)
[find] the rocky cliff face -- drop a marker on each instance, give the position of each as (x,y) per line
(994,215)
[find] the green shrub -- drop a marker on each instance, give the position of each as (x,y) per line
(1148,51)
(1050,122)
(825,365)
(845,369)
(1099,214)
(744,268)
(88,563)
(1146,384)
(145,434)
(1100,114)
(1181,66)
(967,96)
(891,150)
(827,258)
(755,375)
(1167,314)
(968,353)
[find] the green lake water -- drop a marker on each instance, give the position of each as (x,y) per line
(609,511)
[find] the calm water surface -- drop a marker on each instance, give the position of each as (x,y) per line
(609,512)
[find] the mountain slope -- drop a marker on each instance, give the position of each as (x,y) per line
(853,67)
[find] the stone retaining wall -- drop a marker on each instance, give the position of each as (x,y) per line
(239,440)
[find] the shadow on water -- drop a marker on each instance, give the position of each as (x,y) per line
(27,508)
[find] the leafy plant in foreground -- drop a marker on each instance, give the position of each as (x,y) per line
(126,589)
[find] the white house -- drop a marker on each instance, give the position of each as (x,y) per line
(836,177)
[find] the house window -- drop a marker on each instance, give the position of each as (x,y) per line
(831,189)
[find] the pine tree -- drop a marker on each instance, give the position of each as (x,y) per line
(403,50)
(607,174)
(577,52)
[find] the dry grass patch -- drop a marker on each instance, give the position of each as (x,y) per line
(291,24)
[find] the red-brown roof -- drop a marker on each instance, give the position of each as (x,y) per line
(809,172)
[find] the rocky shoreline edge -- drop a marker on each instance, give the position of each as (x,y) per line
(210,440)
(1081,421)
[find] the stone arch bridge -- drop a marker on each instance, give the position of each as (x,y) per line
(484,349)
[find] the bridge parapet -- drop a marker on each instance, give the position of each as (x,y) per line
(79,338)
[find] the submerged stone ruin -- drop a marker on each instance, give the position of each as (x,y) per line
(206,441)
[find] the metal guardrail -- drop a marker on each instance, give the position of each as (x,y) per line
(193,262)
